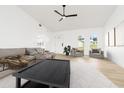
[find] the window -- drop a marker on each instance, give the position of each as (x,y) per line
(93,41)
(80,43)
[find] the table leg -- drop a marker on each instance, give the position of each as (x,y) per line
(18,82)
(3,66)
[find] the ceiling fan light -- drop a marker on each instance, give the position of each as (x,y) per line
(63,17)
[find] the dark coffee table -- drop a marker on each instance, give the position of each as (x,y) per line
(46,73)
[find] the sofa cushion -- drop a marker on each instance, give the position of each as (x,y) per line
(4,52)
(40,56)
(95,50)
(13,57)
(23,61)
(40,50)
(3,60)
(31,51)
(27,57)
(12,60)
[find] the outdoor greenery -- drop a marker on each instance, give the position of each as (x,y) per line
(93,42)
(80,43)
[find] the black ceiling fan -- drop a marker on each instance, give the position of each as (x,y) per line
(63,15)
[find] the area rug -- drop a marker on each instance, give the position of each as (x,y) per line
(85,75)
(6,73)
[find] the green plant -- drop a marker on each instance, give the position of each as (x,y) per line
(67,50)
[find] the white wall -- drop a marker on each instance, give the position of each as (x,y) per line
(115,53)
(71,38)
(18,29)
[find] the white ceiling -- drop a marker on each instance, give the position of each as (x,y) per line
(89,16)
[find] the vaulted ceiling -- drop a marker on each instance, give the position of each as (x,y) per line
(89,16)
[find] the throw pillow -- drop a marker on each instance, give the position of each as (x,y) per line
(31,51)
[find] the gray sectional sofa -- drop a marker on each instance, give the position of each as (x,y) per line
(39,53)
(21,57)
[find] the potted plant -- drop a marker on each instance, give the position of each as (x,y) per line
(67,50)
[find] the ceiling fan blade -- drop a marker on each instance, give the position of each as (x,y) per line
(61,19)
(71,15)
(58,12)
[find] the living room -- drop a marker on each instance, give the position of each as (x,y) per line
(88,37)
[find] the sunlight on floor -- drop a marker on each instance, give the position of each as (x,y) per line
(112,71)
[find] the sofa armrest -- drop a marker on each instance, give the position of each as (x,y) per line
(90,52)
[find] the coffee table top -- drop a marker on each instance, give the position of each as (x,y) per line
(52,72)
